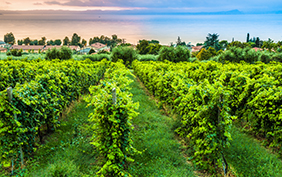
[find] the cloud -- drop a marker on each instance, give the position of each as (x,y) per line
(37,4)
(53,3)
(203,5)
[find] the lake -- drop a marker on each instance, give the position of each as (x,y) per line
(165,28)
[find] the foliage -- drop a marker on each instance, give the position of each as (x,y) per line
(91,51)
(237,54)
(238,44)
(179,42)
(127,54)
(206,54)
(15,52)
(98,57)
(106,40)
(223,44)
(48,87)
(148,57)
(147,47)
(103,52)
(75,40)
(201,103)
(26,41)
(66,41)
(64,53)
(42,41)
(112,121)
(212,41)
(177,54)
(269,45)
(9,38)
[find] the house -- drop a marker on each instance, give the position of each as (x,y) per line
(46,47)
(197,48)
(256,49)
(99,46)
(74,47)
(3,50)
(28,48)
(85,50)
(2,44)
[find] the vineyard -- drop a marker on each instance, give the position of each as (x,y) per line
(211,102)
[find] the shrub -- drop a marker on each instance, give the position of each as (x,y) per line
(180,53)
(206,54)
(15,52)
(97,57)
(91,51)
(63,54)
(237,54)
(277,57)
(147,57)
(103,52)
(127,54)
(265,57)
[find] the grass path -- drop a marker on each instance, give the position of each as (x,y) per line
(153,133)
(249,158)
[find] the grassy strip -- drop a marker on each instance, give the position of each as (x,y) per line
(67,152)
(249,158)
(154,134)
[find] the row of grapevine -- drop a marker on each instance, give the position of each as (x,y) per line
(38,102)
(251,92)
(205,117)
(111,120)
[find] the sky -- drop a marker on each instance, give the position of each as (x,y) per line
(247,6)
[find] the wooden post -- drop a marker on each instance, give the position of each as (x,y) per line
(114,96)
(10,96)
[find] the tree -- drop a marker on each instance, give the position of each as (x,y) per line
(199,44)
(58,42)
(206,54)
(20,42)
(269,45)
(27,41)
(34,42)
(212,41)
(66,41)
(42,41)
(51,42)
(75,40)
(9,38)
(84,42)
(179,42)
(142,47)
(127,54)
(238,44)
(63,54)
(90,41)
(223,44)
(180,53)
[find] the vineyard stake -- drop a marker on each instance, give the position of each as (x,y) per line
(114,96)
(10,96)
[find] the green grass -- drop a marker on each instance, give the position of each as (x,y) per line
(67,151)
(153,133)
(249,158)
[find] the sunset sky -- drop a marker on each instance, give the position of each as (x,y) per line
(250,6)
